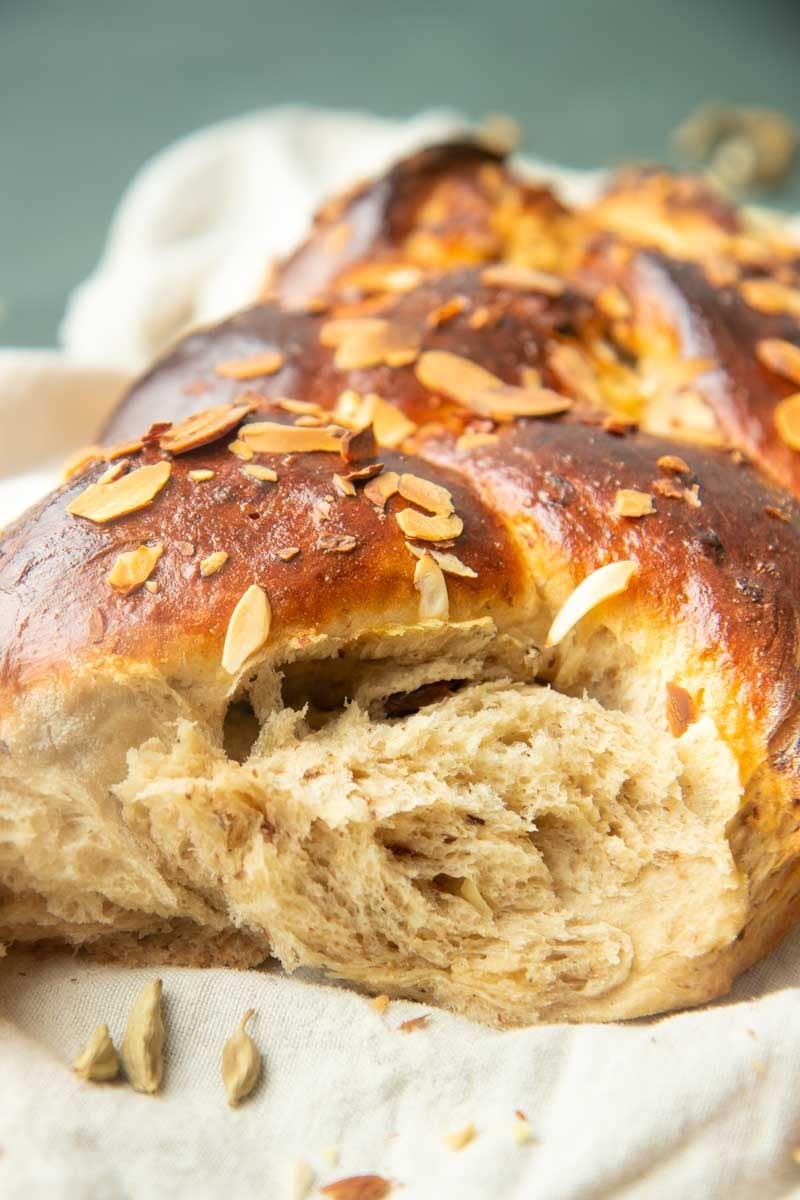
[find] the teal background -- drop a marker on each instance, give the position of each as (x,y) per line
(90,88)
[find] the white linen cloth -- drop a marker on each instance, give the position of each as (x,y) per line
(702,1105)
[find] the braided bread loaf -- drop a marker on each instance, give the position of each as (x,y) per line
(452,646)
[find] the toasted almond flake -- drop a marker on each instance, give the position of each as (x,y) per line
(598,586)
(248,629)
(363,342)
(630,503)
(362,474)
(213,562)
(131,569)
(380,1004)
(80,459)
(352,409)
(310,422)
(431,584)
(422,528)
(305,408)
(126,448)
(288,553)
(445,312)
(269,437)
(265,474)
(668,488)
(151,586)
(521,1131)
(522,279)
(415,1023)
(321,510)
(301,1180)
(337,543)
(680,709)
(448,562)
(344,487)
(252,367)
(469,891)
(102,502)
(427,495)
(358,1187)
(204,427)
(479,390)
(471,441)
(114,471)
(241,450)
(390,425)
(381,277)
(200,475)
(461,1137)
(770,296)
(674,464)
(185,548)
(777,514)
(613,303)
(692,496)
(479,318)
(781,357)
(379,490)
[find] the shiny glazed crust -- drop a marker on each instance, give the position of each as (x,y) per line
(636,311)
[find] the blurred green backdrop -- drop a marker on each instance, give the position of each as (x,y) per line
(90,88)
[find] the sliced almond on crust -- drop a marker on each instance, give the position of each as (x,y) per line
(630,503)
(428,529)
(390,426)
(241,450)
(288,553)
(379,490)
(446,311)
(248,629)
(479,390)
(432,587)
(673,464)
(201,475)
(680,709)
(450,564)
(381,277)
(345,487)
(270,437)
(306,408)
(770,296)
(213,563)
(472,441)
(265,474)
(133,568)
(787,420)
(363,342)
(597,587)
(781,357)
(427,495)
(252,367)
(80,459)
(204,427)
(102,502)
(522,279)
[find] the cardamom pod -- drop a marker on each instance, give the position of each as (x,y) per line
(143,1044)
(98,1059)
(241,1063)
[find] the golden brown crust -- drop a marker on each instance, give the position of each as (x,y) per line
(649,328)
